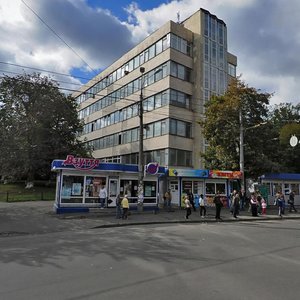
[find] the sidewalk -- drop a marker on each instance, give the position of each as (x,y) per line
(20,218)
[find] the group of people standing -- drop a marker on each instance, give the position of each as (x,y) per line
(238,201)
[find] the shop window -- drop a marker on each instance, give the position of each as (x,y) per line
(210,188)
(221,188)
(295,188)
(286,190)
(72,189)
(129,187)
(186,186)
(150,192)
(92,188)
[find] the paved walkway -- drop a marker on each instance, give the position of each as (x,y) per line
(39,217)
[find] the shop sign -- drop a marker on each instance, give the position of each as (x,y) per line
(152,168)
(225,174)
(80,163)
(188,173)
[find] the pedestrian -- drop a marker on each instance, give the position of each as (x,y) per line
(102,196)
(279,204)
(231,208)
(218,204)
(202,206)
(253,203)
(258,198)
(118,207)
(236,204)
(168,200)
(291,202)
(188,207)
(263,206)
(243,199)
(191,198)
(125,207)
(283,203)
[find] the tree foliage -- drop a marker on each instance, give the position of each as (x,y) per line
(286,120)
(221,128)
(38,123)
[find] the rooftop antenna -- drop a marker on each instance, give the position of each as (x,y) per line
(178,17)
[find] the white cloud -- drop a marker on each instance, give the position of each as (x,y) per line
(263,34)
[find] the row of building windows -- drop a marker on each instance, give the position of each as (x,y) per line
(214,54)
(215,29)
(164,157)
(166,97)
(215,80)
(169,68)
(170,40)
(159,128)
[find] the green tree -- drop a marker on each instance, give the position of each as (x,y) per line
(221,128)
(285,119)
(38,123)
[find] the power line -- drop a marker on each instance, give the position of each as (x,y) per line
(61,81)
(43,70)
(56,34)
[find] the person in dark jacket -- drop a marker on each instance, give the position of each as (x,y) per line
(236,204)
(254,204)
(291,202)
(191,198)
(219,204)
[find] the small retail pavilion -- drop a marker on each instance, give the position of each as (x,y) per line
(206,182)
(80,179)
(281,182)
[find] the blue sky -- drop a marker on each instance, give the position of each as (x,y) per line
(263,34)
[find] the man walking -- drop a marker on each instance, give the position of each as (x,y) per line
(236,203)
(202,205)
(219,204)
(168,200)
(102,196)
(291,202)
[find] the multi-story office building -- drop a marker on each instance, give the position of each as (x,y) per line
(176,69)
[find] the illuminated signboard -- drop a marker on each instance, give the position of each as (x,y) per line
(225,174)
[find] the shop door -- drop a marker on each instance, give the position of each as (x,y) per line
(197,191)
(173,185)
(113,191)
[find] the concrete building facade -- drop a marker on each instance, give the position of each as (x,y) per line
(184,64)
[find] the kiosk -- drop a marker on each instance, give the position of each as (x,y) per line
(206,182)
(281,182)
(80,179)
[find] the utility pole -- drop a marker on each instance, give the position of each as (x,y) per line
(242,148)
(141,145)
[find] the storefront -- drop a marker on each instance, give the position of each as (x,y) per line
(206,182)
(80,179)
(281,182)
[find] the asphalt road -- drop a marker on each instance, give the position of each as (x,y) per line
(244,260)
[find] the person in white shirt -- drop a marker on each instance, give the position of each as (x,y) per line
(202,206)
(102,196)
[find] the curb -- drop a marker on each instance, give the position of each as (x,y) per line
(251,219)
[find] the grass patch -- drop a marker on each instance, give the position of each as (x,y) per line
(17,192)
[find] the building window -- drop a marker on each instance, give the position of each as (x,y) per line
(231,70)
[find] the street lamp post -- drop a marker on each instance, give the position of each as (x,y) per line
(242,168)
(141,144)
